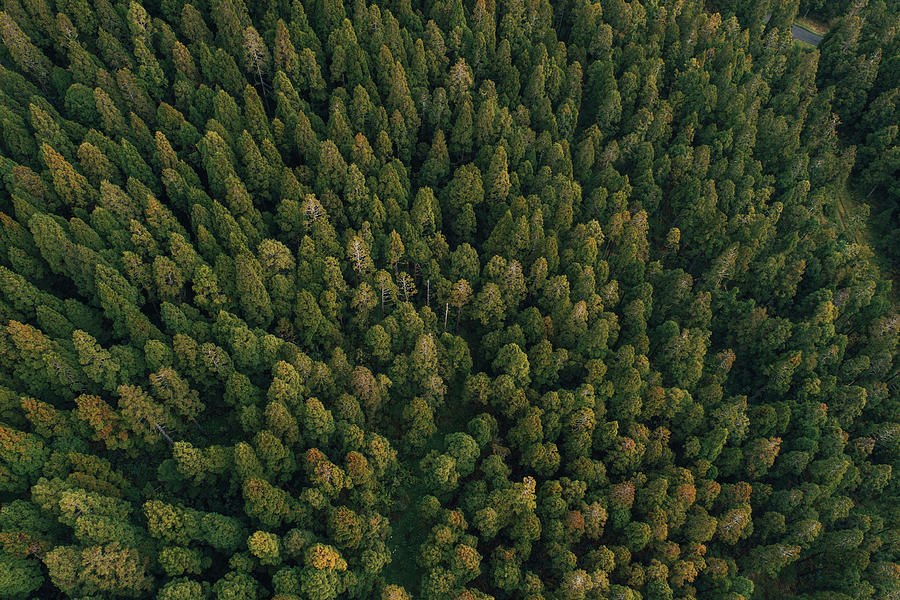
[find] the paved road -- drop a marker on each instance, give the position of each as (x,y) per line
(805,35)
(801,33)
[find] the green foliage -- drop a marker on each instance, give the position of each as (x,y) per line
(457,300)
(19,577)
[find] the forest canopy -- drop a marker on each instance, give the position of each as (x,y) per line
(453,300)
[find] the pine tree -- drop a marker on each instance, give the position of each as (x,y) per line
(28,56)
(257,59)
(143,416)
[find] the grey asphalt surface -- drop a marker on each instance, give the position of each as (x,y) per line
(805,35)
(801,33)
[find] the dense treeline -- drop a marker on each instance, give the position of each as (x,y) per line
(455,300)
(861,67)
